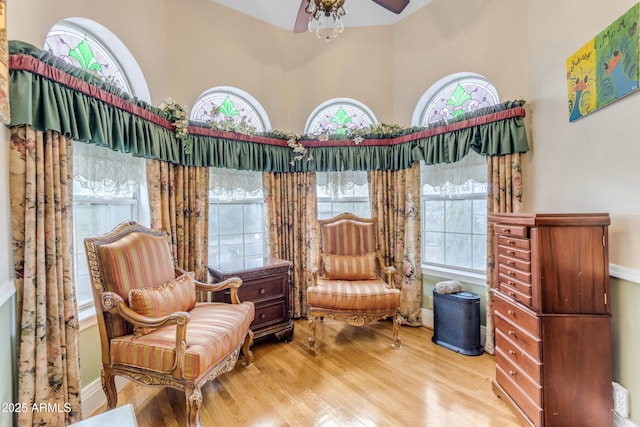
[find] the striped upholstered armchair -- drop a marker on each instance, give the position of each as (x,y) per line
(152,329)
(351,282)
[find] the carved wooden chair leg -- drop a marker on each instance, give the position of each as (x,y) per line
(246,349)
(109,387)
(396,332)
(193,403)
(312,326)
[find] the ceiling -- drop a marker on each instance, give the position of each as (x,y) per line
(282,13)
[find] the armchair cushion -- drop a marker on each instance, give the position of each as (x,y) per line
(345,267)
(161,300)
(366,296)
(211,335)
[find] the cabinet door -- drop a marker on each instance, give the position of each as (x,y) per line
(574,269)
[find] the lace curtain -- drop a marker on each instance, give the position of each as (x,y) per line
(231,184)
(447,178)
(338,184)
(107,173)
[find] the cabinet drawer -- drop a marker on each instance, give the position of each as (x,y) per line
(514,242)
(529,407)
(523,254)
(515,293)
(267,314)
(512,230)
(266,288)
(530,387)
(520,264)
(512,273)
(517,315)
(522,339)
(531,366)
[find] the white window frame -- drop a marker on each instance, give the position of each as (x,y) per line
(471,276)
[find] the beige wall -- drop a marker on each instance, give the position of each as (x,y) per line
(187,46)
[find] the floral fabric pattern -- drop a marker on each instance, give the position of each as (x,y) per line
(292,212)
(395,201)
(46,311)
(179,205)
(504,195)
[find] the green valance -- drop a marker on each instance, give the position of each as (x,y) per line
(48,94)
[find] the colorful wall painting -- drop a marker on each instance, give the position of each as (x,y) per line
(606,68)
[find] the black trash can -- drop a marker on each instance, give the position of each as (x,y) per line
(456,322)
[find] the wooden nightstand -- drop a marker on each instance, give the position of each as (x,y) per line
(265,281)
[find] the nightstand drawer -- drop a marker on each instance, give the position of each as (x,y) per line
(267,288)
(270,313)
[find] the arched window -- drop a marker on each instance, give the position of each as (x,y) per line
(337,116)
(230,107)
(454,195)
(344,191)
(236,203)
(88,45)
(108,187)
(453,96)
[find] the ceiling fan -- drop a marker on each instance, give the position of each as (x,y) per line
(302,20)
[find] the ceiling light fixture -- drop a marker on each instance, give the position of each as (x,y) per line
(321,13)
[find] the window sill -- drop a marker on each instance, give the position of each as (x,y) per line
(87,317)
(473,278)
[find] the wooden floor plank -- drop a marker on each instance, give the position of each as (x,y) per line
(354,378)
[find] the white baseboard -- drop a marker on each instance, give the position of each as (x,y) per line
(93,397)
(427,321)
(618,421)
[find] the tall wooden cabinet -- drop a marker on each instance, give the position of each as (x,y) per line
(552,318)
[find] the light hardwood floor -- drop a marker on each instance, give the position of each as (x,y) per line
(354,378)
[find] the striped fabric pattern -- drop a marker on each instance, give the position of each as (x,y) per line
(370,296)
(162,300)
(137,260)
(348,237)
(345,267)
(212,333)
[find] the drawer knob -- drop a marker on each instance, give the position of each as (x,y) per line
(507,230)
(511,312)
(512,294)
(512,333)
(510,262)
(512,373)
(511,273)
(511,242)
(511,352)
(262,291)
(262,316)
(511,253)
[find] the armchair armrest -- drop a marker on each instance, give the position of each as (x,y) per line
(388,271)
(314,276)
(114,304)
(232,283)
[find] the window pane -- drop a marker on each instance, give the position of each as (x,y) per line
(434,247)
(230,219)
(458,216)
(253,218)
(434,215)
(253,245)
(213,222)
(458,250)
(480,252)
(324,210)
(362,209)
(480,217)
(231,247)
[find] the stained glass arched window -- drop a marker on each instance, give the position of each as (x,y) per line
(229,107)
(337,116)
(88,45)
(453,96)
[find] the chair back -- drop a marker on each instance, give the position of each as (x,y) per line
(131,256)
(347,234)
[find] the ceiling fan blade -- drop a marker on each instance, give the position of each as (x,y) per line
(302,20)
(395,6)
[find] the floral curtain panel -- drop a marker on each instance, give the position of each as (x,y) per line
(179,204)
(395,201)
(291,225)
(504,195)
(46,312)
